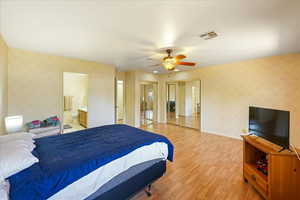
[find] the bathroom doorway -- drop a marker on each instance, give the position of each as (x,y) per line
(75,106)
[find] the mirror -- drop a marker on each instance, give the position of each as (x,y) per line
(184,103)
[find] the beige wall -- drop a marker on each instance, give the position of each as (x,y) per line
(35,86)
(121,76)
(228,90)
(130,98)
(3,83)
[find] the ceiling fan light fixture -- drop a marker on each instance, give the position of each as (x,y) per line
(169,67)
(169,63)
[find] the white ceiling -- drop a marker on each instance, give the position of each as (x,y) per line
(126,33)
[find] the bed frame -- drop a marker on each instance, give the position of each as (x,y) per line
(135,184)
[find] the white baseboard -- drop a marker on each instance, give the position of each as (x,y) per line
(221,134)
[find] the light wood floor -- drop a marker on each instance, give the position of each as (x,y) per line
(146,117)
(185,121)
(205,166)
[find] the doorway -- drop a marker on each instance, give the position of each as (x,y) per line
(120,102)
(75,94)
(184,103)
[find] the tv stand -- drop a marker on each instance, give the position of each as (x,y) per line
(284,148)
(282,179)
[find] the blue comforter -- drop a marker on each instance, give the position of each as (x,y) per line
(66,158)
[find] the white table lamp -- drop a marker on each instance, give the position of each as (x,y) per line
(14,123)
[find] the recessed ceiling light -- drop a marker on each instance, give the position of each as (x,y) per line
(176,70)
(155,71)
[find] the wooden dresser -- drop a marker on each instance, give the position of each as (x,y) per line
(82,117)
(282,181)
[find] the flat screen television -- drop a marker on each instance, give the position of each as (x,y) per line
(273,125)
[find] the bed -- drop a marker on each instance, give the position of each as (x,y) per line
(108,162)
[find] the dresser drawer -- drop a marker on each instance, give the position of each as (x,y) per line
(255,179)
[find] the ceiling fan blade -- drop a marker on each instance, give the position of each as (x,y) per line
(180,56)
(186,63)
(155,65)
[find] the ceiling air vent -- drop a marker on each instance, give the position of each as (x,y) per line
(209,35)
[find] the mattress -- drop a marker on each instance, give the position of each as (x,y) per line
(122,177)
(90,183)
(73,166)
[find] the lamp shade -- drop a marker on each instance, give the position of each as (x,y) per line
(14,124)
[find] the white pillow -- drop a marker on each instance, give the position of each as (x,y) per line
(28,144)
(16,136)
(14,157)
(4,190)
(24,139)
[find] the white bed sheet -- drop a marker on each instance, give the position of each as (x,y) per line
(4,190)
(90,183)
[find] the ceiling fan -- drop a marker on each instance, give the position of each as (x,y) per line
(169,62)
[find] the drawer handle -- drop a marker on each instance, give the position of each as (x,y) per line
(253,177)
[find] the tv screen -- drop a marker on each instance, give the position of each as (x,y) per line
(270,124)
